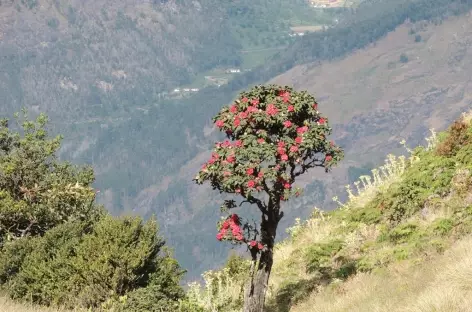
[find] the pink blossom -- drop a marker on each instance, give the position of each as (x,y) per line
(271,110)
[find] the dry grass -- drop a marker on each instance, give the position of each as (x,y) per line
(442,284)
(7,305)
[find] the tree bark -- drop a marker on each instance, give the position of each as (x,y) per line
(255,293)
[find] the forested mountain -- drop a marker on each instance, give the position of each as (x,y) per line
(100,68)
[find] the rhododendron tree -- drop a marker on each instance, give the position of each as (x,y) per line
(274,134)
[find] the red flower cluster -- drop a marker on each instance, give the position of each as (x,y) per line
(271,110)
(285,96)
(233,224)
(254,244)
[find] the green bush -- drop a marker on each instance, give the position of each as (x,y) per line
(92,266)
(319,257)
(432,174)
(38,192)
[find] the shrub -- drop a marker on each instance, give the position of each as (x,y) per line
(82,265)
(37,192)
(458,135)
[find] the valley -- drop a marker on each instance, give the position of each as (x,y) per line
(107,97)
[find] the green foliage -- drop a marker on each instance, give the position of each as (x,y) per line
(443,226)
(82,265)
(37,191)
(318,257)
(59,248)
(431,175)
(402,232)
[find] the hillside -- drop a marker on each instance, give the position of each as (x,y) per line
(99,73)
(400,243)
(374,101)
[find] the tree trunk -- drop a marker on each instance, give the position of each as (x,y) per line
(255,293)
(254,297)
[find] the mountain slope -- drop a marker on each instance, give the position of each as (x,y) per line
(374,101)
(400,243)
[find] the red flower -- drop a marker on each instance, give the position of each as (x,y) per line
(294,149)
(233,109)
(211,161)
(238,143)
(284,93)
(237,191)
(287,185)
(226,224)
(237,122)
(230,159)
(328,158)
(281,144)
(284,157)
(253,243)
(243,115)
(219,123)
(315,106)
(271,110)
(251,183)
(260,246)
(298,140)
(259,188)
(287,124)
(204,166)
(250,171)
(322,121)
(290,108)
(255,102)
(260,140)
(302,130)
(239,237)
(219,236)
(226,144)
(250,110)
(281,151)
(244,99)
(226,173)
(260,174)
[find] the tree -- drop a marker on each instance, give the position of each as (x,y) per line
(38,192)
(274,135)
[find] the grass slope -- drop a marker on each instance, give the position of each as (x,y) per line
(401,243)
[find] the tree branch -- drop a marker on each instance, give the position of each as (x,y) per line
(252,200)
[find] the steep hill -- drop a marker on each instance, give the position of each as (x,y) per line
(400,243)
(374,100)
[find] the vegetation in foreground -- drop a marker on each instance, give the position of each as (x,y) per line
(409,223)
(59,248)
(397,226)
